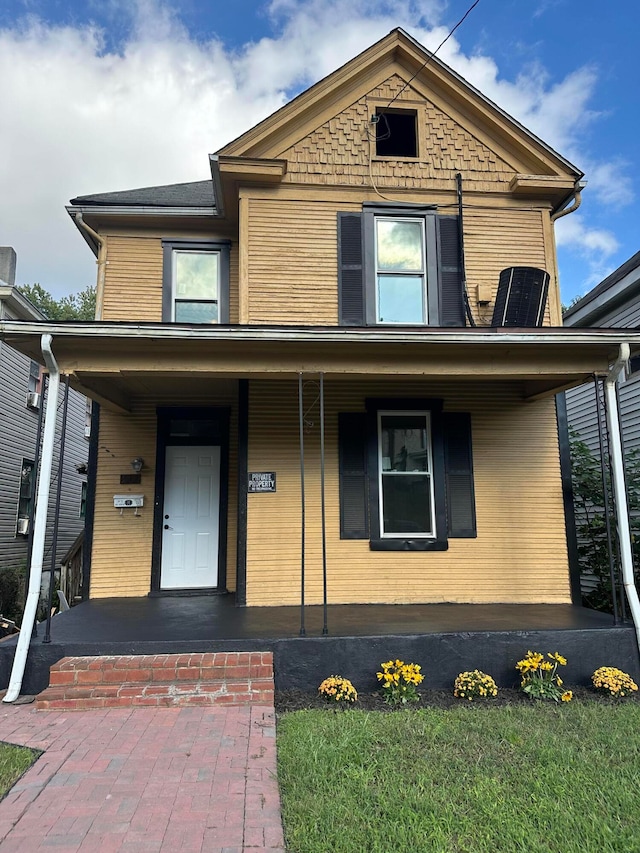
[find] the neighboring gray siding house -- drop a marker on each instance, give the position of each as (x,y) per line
(614,303)
(21,398)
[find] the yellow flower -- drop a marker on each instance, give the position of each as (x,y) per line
(567,696)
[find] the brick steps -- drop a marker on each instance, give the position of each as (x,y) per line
(117,681)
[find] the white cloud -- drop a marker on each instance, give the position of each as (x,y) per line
(593,247)
(572,233)
(78,118)
(611,182)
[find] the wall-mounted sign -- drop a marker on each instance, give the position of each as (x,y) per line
(262,481)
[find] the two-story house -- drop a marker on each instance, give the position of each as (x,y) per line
(301,392)
(22,397)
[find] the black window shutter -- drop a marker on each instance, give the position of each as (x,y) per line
(451,300)
(352,461)
(350,270)
(458,459)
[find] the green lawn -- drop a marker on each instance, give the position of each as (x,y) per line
(516,778)
(14,761)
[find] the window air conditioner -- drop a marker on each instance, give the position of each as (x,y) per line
(33,400)
(23,526)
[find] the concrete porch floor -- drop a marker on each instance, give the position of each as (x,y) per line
(444,638)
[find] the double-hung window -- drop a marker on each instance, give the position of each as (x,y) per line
(405,470)
(196,282)
(400,270)
(399,265)
(405,475)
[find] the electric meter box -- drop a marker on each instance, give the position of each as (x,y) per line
(128,501)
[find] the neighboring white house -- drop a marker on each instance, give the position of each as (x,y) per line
(21,399)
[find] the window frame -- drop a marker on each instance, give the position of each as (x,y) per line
(427,215)
(220,247)
(378,112)
(379,541)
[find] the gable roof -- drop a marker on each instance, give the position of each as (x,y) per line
(270,137)
(193,194)
(622,284)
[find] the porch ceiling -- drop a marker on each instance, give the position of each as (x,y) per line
(116,362)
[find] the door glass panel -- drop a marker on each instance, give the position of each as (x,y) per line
(399,245)
(193,428)
(401,299)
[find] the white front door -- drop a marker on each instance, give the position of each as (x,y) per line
(190,518)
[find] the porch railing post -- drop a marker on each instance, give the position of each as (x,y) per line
(325,627)
(302,500)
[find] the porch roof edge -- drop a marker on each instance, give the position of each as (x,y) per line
(556,335)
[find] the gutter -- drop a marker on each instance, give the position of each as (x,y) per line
(102,262)
(619,486)
(216,180)
(39,527)
(160,332)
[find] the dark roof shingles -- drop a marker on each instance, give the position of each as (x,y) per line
(195,194)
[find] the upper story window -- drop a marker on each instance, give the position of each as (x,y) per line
(195,282)
(399,264)
(396,133)
(400,257)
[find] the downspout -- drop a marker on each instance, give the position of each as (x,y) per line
(40,525)
(575,196)
(102,262)
(619,486)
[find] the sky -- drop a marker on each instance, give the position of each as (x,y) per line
(105,95)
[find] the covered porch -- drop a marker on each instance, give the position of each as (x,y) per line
(444,638)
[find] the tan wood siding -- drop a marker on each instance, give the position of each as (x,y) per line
(519,555)
(496,239)
(292,257)
(292,263)
(133,279)
(121,556)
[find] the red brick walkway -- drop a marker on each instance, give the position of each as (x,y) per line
(144,779)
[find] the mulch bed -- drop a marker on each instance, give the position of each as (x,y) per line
(299,700)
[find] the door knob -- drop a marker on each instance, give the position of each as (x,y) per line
(166,527)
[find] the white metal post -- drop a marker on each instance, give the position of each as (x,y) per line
(39,526)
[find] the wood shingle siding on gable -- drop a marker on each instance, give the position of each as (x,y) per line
(519,554)
(341,146)
(121,557)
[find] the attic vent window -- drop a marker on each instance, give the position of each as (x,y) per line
(396,133)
